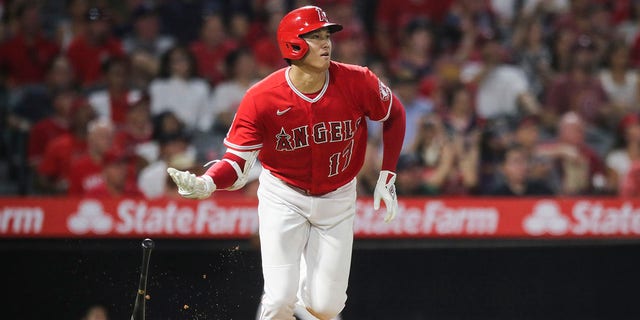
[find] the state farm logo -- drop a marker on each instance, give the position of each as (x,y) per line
(139,217)
(435,218)
(90,217)
(585,218)
(546,218)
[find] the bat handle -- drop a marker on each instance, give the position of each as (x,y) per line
(139,306)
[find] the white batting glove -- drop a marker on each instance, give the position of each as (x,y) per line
(190,186)
(386,190)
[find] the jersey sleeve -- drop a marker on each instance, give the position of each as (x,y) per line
(376,96)
(244,133)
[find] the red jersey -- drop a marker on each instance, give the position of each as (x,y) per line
(210,60)
(59,154)
(87,59)
(86,175)
(267,53)
(26,61)
(41,134)
(317,144)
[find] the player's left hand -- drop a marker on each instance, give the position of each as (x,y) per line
(386,190)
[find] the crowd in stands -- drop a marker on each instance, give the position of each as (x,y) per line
(503,98)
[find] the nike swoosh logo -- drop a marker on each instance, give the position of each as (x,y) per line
(281,112)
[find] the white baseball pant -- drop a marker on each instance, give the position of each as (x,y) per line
(293,225)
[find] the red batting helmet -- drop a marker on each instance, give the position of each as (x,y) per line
(298,22)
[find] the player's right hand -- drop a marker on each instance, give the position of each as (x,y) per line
(190,186)
(386,191)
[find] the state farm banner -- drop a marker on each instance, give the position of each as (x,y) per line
(237,218)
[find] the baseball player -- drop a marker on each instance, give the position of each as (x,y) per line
(306,124)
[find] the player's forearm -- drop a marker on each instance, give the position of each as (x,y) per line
(223,173)
(393,135)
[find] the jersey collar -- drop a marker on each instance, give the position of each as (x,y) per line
(302,95)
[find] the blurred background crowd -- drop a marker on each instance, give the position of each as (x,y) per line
(503,97)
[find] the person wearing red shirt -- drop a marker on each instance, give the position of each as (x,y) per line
(307,125)
(393,15)
(51,127)
(630,186)
(115,100)
(578,169)
(26,56)
(88,51)
(86,172)
(137,128)
(53,170)
(265,48)
(211,49)
(116,182)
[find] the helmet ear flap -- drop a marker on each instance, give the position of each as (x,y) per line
(297,48)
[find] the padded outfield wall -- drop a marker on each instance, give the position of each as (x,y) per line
(447,259)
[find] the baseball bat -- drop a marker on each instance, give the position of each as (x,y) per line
(139,306)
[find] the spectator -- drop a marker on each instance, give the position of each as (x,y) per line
(266,49)
(620,83)
(144,68)
(496,136)
(435,151)
(631,182)
(54,169)
(241,74)
(211,48)
(35,102)
(416,106)
(532,54)
(117,180)
(409,180)
(240,28)
(135,135)
(51,127)
(579,167)
(629,28)
(502,90)
(392,16)
(174,148)
(466,23)
(626,152)
(114,101)
(443,82)
(459,117)
(96,312)
(562,44)
(352,42)
(578,89)
(351,47)
(165,124)
(73,24)
(415,55)
(516,179)
(528,135)
(89,50)
(27,54)
(146,35)
(462,128)
(86,172)
(180,91)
